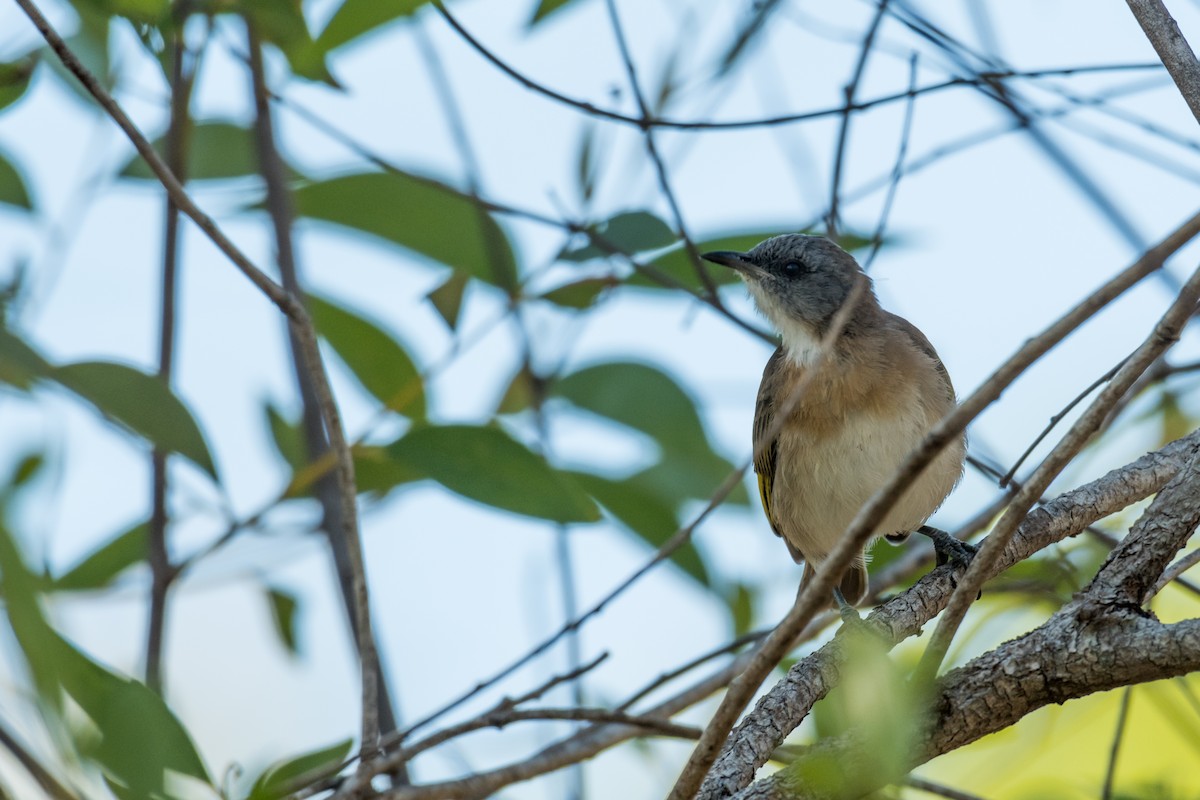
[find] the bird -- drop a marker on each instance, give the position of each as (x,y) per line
(866,404)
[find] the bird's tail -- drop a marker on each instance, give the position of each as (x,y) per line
(854,582)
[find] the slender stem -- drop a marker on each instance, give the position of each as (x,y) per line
(162,572)
(1176,54)
(1110,771)
(339,522)
(52,788)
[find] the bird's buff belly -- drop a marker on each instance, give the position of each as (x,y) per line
(815,496)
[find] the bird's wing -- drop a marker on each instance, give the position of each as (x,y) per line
(923,344)
(765,449)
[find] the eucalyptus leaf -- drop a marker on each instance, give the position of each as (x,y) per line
(102,566)
(487,465)
(12,186)
(436,222)
(215,151)
(14,78)
(354,18)
(285,777)
(283,606)
(630,232)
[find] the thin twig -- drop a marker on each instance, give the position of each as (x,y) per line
(162,572)
(1110,771)
(1176,570)
(929,787)
(897,170)
(52,788)
(656,158)
(851,89)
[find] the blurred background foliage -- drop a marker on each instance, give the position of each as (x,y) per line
(100,730)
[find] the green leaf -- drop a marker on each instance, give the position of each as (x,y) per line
(741,602)
(139,739)
(215,151)
(12,186)
(436,222)
(630,232)
(14,78)
(485,464)
(375,471)
(545,8)
(447,299)
(99,569)
(283,607)
(357,17)
(28,467)
(647,515)
(90,45)
(285,777)
(579,295)
(380,363)
(20,364)
(143,11)
(678,266)
(287,438)
(521,391)
(282,23)
(141,402)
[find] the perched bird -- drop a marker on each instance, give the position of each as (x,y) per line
(868,404)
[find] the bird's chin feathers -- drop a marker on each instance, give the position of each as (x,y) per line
(800,341)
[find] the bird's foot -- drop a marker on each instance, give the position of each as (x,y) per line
(948,549)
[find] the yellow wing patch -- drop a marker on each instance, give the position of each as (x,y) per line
(764,494)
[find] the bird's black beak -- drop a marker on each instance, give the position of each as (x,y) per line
(733,260)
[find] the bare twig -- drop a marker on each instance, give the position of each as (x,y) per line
(1111,770)
(47,782)
(1176,570)
(1176,54)
(897,170)
(929,787)
(162,572)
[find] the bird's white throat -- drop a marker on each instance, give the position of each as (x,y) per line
(799,340)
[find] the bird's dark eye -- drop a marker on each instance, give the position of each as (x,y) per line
(792,269)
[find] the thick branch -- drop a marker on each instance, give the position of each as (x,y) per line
(1176,54)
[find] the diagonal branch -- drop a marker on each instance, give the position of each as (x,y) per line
(1176,54)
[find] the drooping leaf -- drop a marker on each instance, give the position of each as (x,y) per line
(545,8)
(447,299)
(99,569)
(647,515)
(138,738)
(380,363)
(485,464)
(741,600)
(354,18)
(282,23)
(283,606)
(141,402)
(579,295)
(12,186)
(284,777)
(287,437)
(14,78)
(629,232)
(438,223)
(20,364)
(215,150)
(377,473)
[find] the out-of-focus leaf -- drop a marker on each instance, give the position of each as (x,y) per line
(437,223)
(283,778)
(139,739)
(447,299)
(287,437)
(215,150)
(107,562)
(357,17)
(380,363)
(29,466)
(545,8)
(648,400)
(485,464)
(579,295)
(647,515)
(89,43)
(678,267)
(629,232)
(282,23)
(144,11)
(284,606)
(520,392)
(142,403)
(376,472)
(586,171)
(741,608)
(12,186)
(20,364)
(14,78)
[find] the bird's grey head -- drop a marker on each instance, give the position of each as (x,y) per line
(797,281)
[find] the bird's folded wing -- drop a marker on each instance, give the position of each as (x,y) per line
(765,447)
